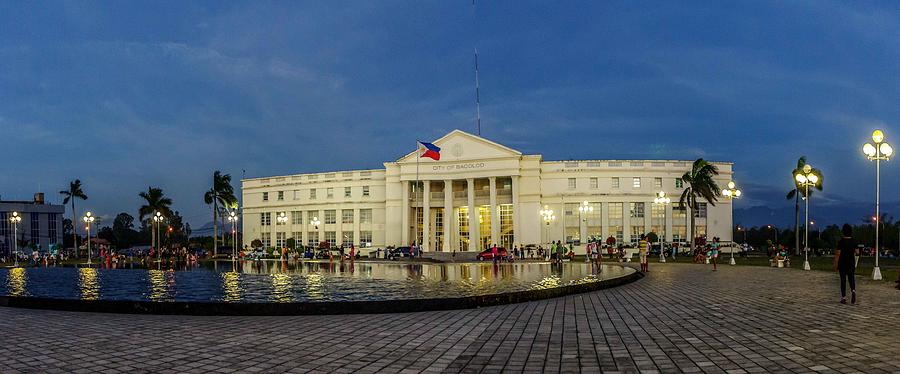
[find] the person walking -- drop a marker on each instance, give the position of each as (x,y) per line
(643,252)
(845,263)
(714,253)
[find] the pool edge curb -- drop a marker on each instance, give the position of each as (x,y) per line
(311,308)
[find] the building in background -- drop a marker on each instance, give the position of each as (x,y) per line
(41,224)
(479,193)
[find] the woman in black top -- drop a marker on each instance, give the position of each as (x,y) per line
(845,263)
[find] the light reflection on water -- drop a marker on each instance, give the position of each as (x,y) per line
(88,284)
(290,281)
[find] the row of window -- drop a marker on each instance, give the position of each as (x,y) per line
(328,217)
(616,183)
(635,210)
(329,193)
(312,238)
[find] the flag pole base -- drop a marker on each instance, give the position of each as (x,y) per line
(732,262)
(806,265)
(876,273)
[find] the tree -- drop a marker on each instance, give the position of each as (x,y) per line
(700,185)
(221,195)
(154,202)
(74,192)
(256,243)
(123,230)
(801,192)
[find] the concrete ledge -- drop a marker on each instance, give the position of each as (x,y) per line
(308,308)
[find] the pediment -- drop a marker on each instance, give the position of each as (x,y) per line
(459,145)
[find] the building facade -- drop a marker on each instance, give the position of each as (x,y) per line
(41,224)
(479,193)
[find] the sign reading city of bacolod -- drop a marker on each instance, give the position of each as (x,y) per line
(458,167)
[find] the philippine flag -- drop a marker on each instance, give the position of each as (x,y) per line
(430,150)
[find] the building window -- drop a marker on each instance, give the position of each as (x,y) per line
(296,194)
(280,195)
(265,196)
(572,183)
(330,217)
(701,210)
(365,216)
(331,238)
(679,183)
(346,237)
(365,238)
(636,182)
(35,228)
(265,219)
(312,239)
(298,238)
(280,240)
(329,192)
(657,183)
(266,239)
(296,217)
(594,183)
(637,210)
(366,191)
(312,193)
(506,225)
(347,216)
(615,182)
(347,192)
(51,227)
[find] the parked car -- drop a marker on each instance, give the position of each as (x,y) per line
(488,254)
(400,252)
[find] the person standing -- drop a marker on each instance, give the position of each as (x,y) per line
(643,251)
(714,253)
(845,263)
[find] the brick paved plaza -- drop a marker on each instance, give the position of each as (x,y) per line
(681,318)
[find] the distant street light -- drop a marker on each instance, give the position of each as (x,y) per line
(232,217)
(805,179)
(731,192)
(315,222)
(158,219)
(662,200)
(88,220)
(15,219)
(547,216)
(880,151)
(776,233)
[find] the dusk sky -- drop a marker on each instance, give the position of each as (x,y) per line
(126,95)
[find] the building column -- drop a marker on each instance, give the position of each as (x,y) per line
(515,204)
(356,223)
(604,220)
(626,222)
(495,213)
(648,223)
(404,214)
(473,216)
(448,214)
(668,223)
(582,226)
(426,215)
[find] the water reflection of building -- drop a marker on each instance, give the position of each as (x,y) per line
(479,192)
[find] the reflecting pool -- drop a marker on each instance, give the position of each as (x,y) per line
(289,281)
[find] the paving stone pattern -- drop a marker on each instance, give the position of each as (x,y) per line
(681,318)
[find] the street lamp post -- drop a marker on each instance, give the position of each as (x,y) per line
(583,209)
(547,216)
(158,219)
(662,200)
(776,234)
(232,217)
(731,192)
(15,219)
(878,152)
(88,220)
(805,179)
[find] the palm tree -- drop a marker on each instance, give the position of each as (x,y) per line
(796,195)
(700,185)
(221,196)
(74,192)
(154,202)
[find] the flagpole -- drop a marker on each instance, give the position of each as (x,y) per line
(416,205)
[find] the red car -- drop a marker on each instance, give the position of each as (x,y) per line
(488,254)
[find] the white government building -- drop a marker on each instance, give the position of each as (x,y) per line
(380,207)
